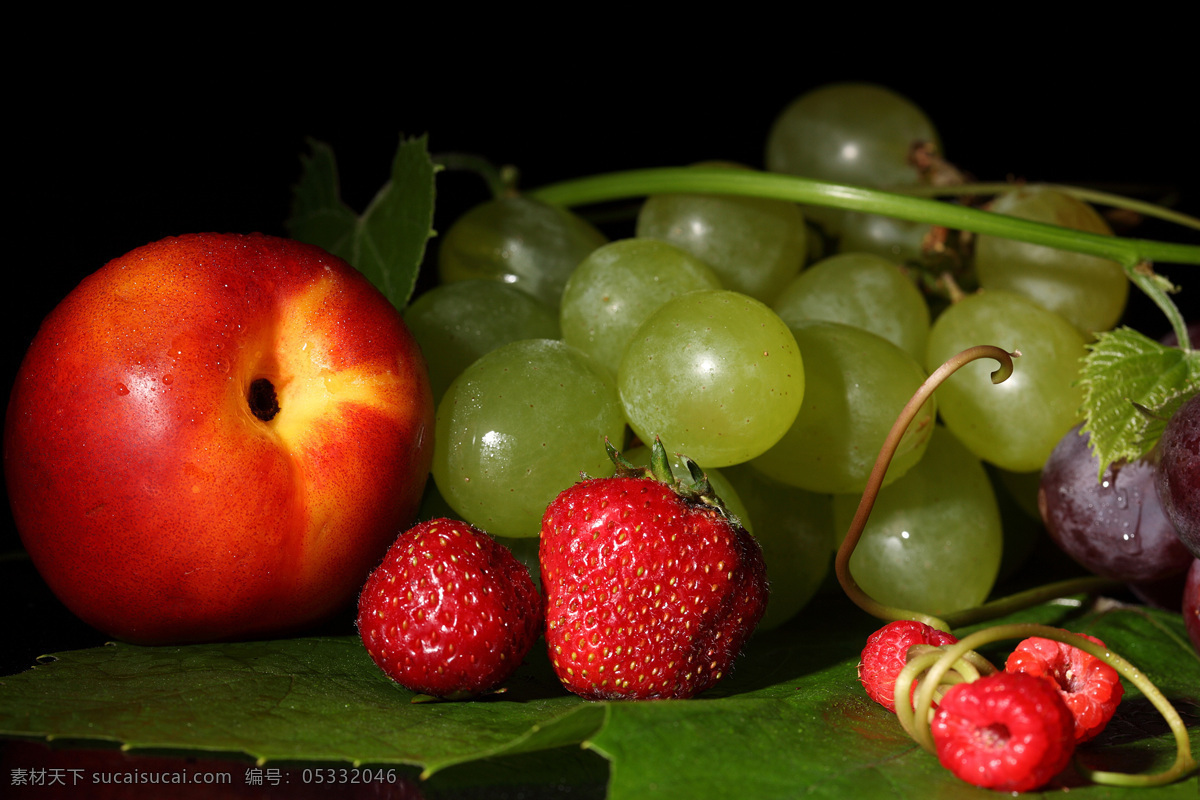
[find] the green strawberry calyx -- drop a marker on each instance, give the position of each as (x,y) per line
(695,488)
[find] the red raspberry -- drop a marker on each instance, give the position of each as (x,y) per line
(1090,688)
(886,654)
(1008,731)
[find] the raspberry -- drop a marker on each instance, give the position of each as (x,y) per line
(1008,731)
(886,654)
(1090,688)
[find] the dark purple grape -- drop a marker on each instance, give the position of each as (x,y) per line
(1115,526)
(1191,604)
(1178,480)
(1193,328)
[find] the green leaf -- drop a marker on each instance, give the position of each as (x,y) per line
(1132,385)
(387,242)
(791,720)
(318,214)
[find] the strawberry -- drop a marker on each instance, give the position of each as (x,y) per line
(449,612)
(651,587)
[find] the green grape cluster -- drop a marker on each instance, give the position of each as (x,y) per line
(707,327)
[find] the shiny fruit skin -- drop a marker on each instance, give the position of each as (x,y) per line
(1111,524)
(1191,604)
(153,500)
(648,595)
(449,612)
(1178,473)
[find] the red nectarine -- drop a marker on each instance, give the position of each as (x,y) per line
(216,436)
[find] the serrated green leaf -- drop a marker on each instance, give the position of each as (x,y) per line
(1132,384)
(791,720)
(318,214)
(387,242)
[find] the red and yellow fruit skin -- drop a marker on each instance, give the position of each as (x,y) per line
(647,595)
(154,503)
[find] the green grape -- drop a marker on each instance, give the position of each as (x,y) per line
(529,244)
(1016,494)
(1014,424)
(721,486)
(896,239)
(456,323)
(856,383)
(933,542)
(853,133)
(1089,291)
(614,289)
(517,427)
(433,505)
(796,531)
(715,374)
(861,290)
(755,245)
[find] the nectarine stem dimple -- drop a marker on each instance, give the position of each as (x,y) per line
(263,402)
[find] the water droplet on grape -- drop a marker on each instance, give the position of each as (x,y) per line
(122,389)
(168,379)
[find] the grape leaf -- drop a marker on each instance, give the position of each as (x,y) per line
(791,719)
(387,242)
(1132,384)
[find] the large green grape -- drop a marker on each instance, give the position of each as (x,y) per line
(1089,291)
(1015,424)
(796,531)
(856,383)
(755,245)
(715,374)
(529,244)
(862,290)
(933,541)
(517,427)
(456,323)
(896,239)
(614,289)
(854,133)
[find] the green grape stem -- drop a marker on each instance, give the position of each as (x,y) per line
(916,718)
(1092,196)
(715,180)
(1134,255)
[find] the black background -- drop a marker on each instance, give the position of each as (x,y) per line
(141,140)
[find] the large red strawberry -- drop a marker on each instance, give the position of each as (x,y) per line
(450,612)
(651,588)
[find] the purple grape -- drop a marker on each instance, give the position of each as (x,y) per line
(1114,527)
(1178,480)
(1193,328)
(1191,604)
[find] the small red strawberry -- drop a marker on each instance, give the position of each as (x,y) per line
(886,653)
(449,612)
(1090,688)
(651,588)
(1007,731)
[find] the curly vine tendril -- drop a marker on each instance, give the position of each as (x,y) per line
(957,663)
